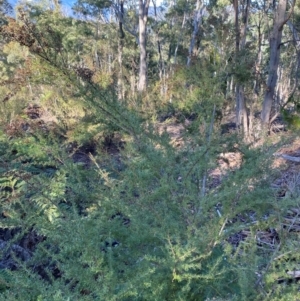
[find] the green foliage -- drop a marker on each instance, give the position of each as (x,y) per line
(291,118)
(91,7)
(195,90)
(139,234)
(145,222)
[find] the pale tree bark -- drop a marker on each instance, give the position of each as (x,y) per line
(254,130)
(241,109)
(282,88)
(143,18)
(287,87)
(296,43)
(259,57)
(180,37)
(275,41)
(196,22)
(97,60)
(109,63)
(133,79)
(120,50)
(296,37)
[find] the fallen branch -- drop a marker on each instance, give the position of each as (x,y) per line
(287,157)
(290,158)
(295,274)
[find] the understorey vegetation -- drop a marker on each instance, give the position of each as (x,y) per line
(181,183)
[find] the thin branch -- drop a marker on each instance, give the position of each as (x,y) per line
(289,15)
(119,14)
(285,42)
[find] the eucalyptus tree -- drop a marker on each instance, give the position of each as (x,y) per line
(255,63)
(99,14)
(120,11)
(198,15)
(240,42)
(143,19)
(280,19)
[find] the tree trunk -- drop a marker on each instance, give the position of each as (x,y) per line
(120,51)
(275,40)
(241,109)
(238,115)
(180,38)
(160,61)
(196,23)
(97,60)
(257,85)
(143,17)
(296,42)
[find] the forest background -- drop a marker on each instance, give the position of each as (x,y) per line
(149,151)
